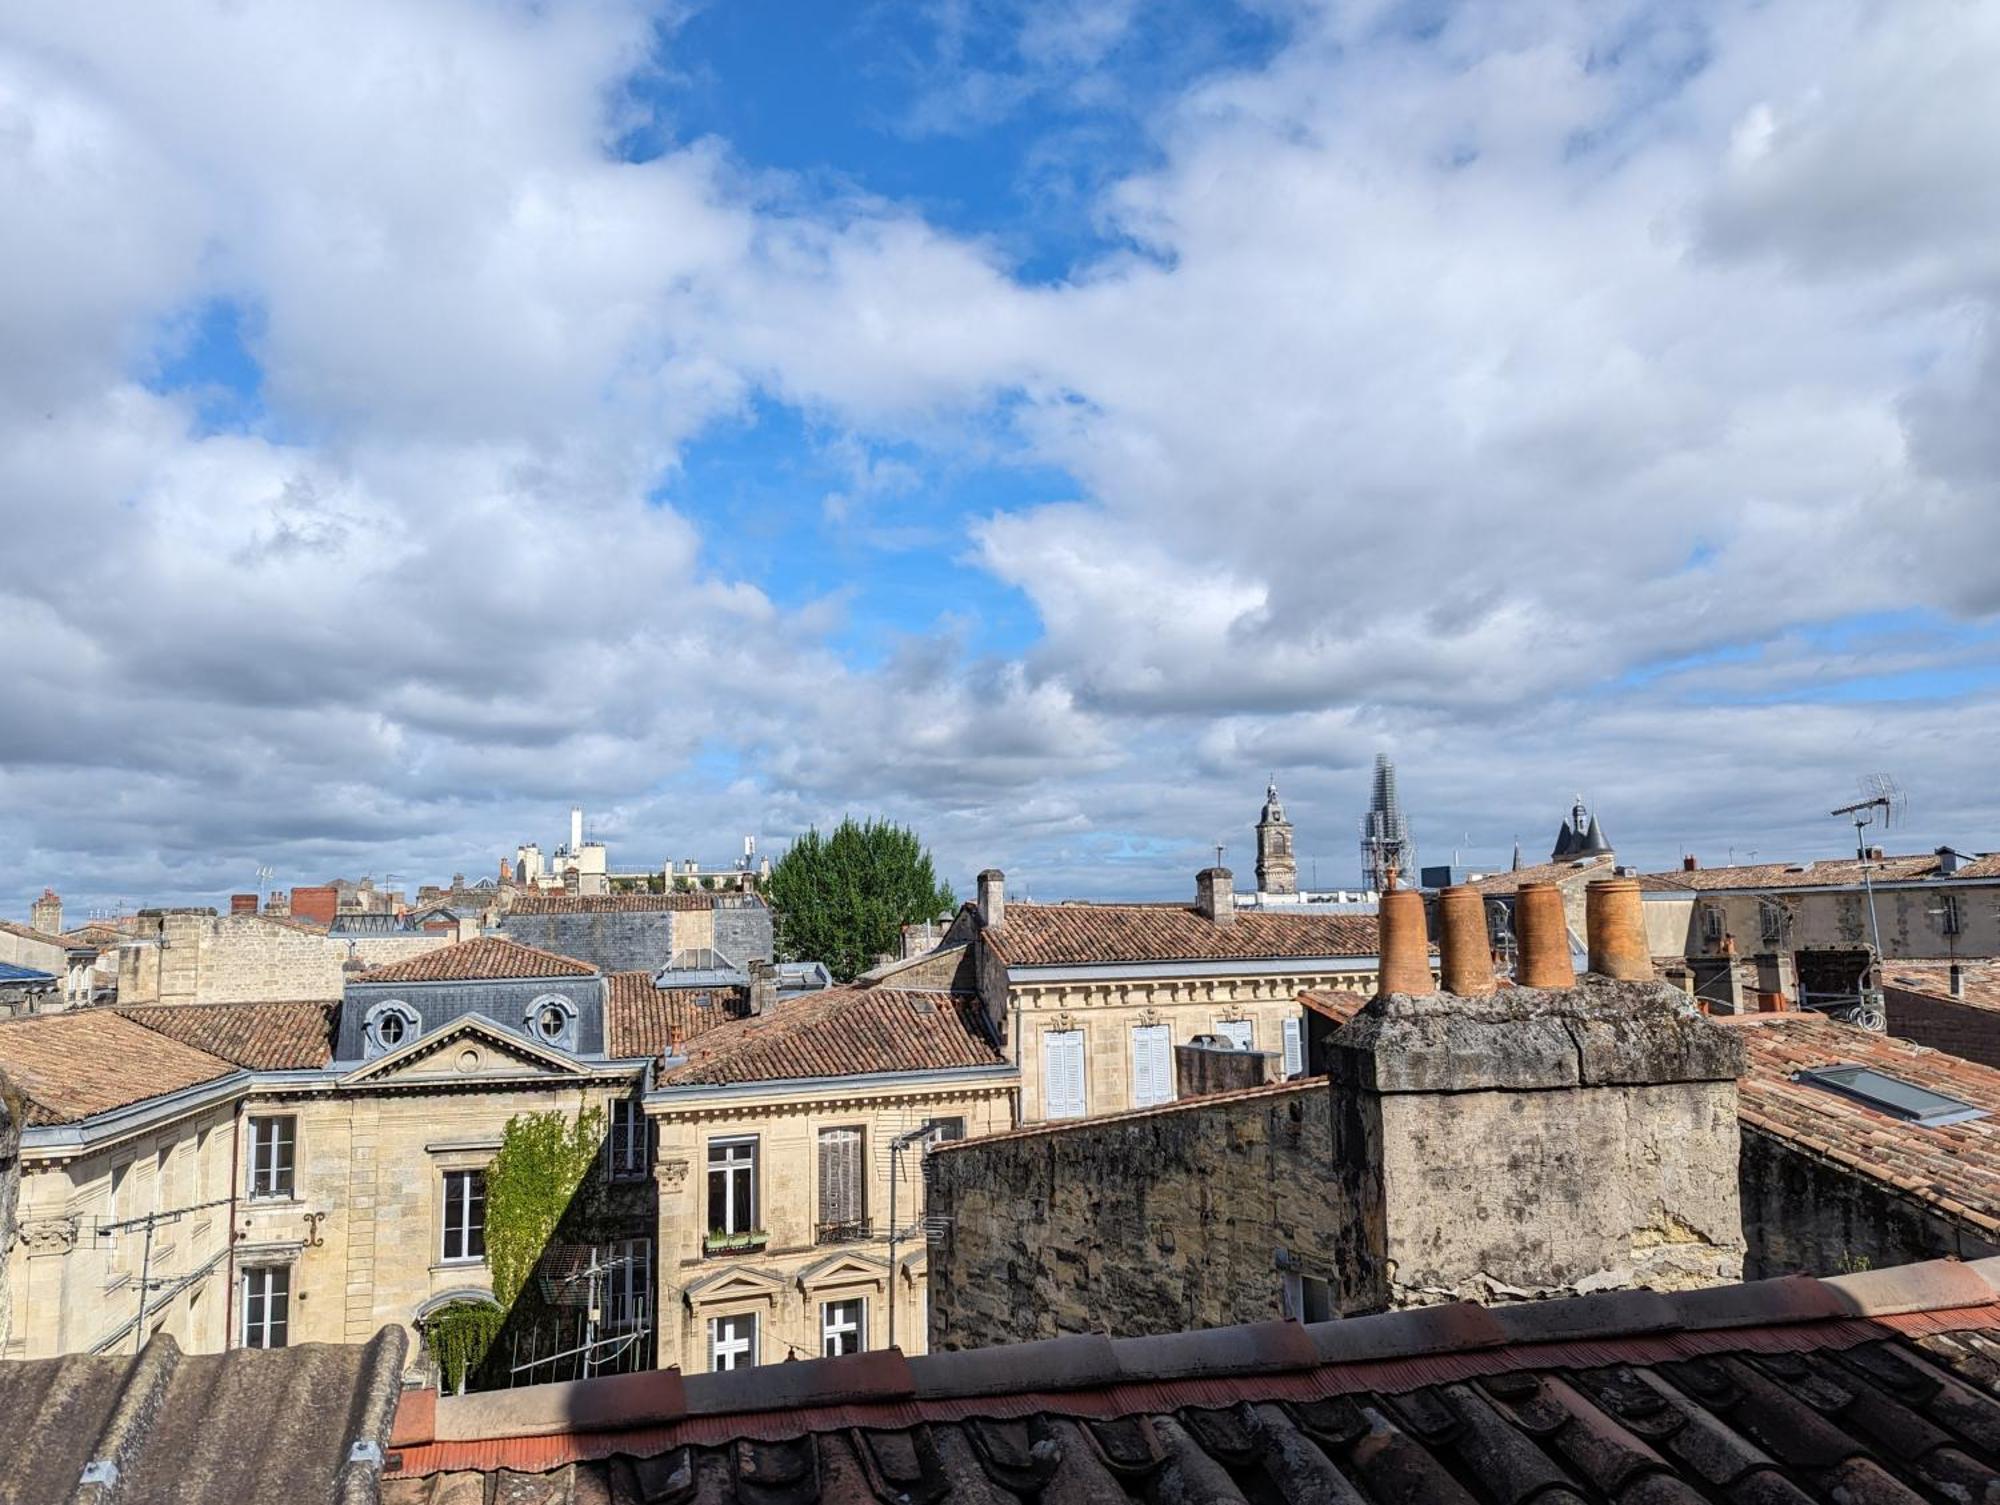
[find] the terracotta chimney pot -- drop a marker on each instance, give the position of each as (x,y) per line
(1617,930)
(1541,929)
(1467,968)
(1405,943)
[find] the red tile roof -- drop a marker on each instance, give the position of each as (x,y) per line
(260,1036)
(29,933)
(1581,869)
(842,1032)
(1336,1004)
(1955,1167)
(1980,975)
(642,1020)
(488,957)
(1040,935)
(1865,1387)
(89,1061)
(1808,874)
(528,903)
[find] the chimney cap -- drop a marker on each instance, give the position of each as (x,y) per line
(991,875)
(1215,872)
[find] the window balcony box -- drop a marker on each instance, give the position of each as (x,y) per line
(853,1232)
(735,1243)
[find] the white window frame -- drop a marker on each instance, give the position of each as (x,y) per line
(374,1041)
(739,1348)
(843,1318)
(628,1292)
(723,1158)
(1057,1042)
(1157,1039)
(458,1205)
(269,1289)
(269,1132)
(627,1144)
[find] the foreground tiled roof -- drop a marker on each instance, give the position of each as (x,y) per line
(70,1066)
(1954,1167)
(490,957)
(1584,868)
(528,903)
(1980,975)
(642,1020)
(1864,1388)
(1040,935)
(1335,1003)
(259,1036)
(270,1424)
(842,1032)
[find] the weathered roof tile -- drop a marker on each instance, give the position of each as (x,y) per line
(486,958)
(1082,934)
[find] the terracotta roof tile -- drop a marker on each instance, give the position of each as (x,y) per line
(1039,935)
(1955,1167)
(642,1020)
(89,1061)
(487,957)
(29,933)
(1807,874)
(1981,977)
(259,1036)
(608,903)
(1569,870)
(842,1032)
(1336,1004)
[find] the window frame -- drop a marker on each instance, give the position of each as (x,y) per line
(1074,1038)
(373,1042)
(729,1168)
(745,1359)
(458,1218)
(628,1295)
(628,1149)
(531,1021)
(1838,1078)
(830,1333)
(275,1282)
(266,1178)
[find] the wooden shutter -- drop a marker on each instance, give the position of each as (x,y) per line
(840,1176)
(1152,1065)
(1294,1048)
(1062,1073)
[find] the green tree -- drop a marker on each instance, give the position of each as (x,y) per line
(843,899)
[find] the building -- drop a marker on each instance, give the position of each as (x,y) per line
(71,961)
(1581,836)
(23,990)
(1089,1000)
(1388,854)
(181,956)
(1949,1006)
(628,932)
(1865,1387)
(1277,863)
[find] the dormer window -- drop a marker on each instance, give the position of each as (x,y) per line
(552,1020)
(389,1026)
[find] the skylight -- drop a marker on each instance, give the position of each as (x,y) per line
(1891,1095)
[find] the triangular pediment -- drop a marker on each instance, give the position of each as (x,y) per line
(844,1269)
(470,1047)
(734,1284)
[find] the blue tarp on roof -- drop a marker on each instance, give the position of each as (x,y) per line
(11,973)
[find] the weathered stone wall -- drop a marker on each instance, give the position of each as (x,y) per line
(1151,1223)
(197,956)
(381,950)
(610,940)
(1963,1029)
(1802,1215)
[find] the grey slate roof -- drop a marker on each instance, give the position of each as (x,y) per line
(297,1425)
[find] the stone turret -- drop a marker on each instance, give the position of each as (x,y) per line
(1277,864)
(45,914)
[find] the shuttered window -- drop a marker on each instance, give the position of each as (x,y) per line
(1062,1073)
(1295,1056)
(1239,1033)
(1152,1065)
(843,1212)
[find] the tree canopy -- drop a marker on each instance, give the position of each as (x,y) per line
(843,899)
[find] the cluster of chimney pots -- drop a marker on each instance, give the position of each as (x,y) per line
(1613,921)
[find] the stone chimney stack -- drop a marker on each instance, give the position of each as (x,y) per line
(1532,1142)
(1541,931)
(572,881)
(1405,944)
(1215,895)
(45,914)
(1466,963)
(992,898)
(1616,927)
(575,829)
(763,987)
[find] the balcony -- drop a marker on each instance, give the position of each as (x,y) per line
(856,1231)
(718,1244)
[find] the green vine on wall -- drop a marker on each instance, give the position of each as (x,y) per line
(458,1337)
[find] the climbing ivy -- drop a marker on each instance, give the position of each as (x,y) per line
(458,1337)
(543,1158)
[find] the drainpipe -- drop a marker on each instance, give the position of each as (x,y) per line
(229,1268)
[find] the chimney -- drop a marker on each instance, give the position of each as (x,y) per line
(1957,980)
(1541,928)
(572,880)
(1616,928)
(1689,864)
(45,914)
(1215,894)
(992,898)
(1467,962)
(242,903)
(763,987)
(1587,1137)
(575,829)
(1404,943)
(1875,854)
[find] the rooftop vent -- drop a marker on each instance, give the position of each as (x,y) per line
(1891,1095)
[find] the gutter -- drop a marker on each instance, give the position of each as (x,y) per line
(696,1094)
(1257,966)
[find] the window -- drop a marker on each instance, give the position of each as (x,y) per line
(843,1327)
(1308,1298)
(1949,920)
(1891,1095)
(1062,1073)
(391,1029)
(628,1288)
(1711,922)
(1240,1033)
(732,1342)
(1152,1065)
(552,1020)
(464,1215)
(267,1302)
(732,1185)
(625,1149)
(271,1153)
(843,1213)
(387,1026)
(945,1130)
(1295,1054)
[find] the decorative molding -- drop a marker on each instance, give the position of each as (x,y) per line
(673,1172)
(49,1235)
(1148,1017)
(1064,1021)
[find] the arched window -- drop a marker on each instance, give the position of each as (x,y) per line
(389,1026)
(551,1019)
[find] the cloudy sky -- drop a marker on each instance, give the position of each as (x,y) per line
(1035,422)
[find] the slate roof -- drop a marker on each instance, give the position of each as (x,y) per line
(486,958)
(642,1020)
(1981,976)
(271,1424)
(842,1032)
(1040,935)
(1862,1388)
(533,903)
(1569,870)
(258,1036)
(1954,1167)
(73,1065)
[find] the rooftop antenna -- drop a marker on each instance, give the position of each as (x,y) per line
(1883,803)
(1218,854)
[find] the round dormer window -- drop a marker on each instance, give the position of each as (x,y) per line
(551,1019)
(388,1026)
(391,1029)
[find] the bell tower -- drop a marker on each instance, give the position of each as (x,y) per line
(1277,867)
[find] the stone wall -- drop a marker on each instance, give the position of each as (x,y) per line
(744,935)
(610,940)
(1803,1215)
(382,950)
(1963,1029)
(197,956)
(1151,1223)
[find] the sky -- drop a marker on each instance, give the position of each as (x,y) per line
(1036,423)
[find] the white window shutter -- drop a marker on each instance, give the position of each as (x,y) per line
(1238,1032)
(1062,1073)
(1152,1065)
(1294,1049)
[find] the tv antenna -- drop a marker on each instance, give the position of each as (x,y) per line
(1882,803)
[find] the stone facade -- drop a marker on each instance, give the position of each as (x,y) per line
(198,956)
(1150,1222)
(634,940)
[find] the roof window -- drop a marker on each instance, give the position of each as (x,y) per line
(1891,1095)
